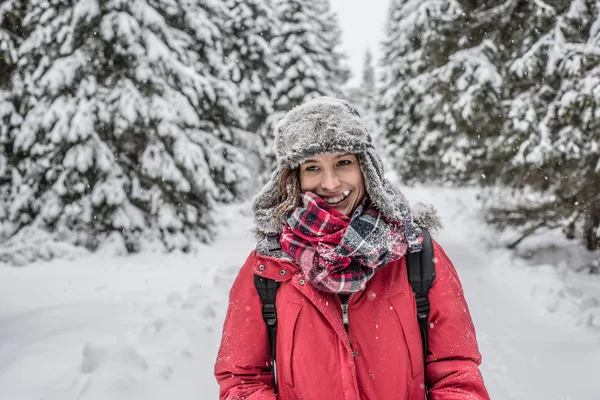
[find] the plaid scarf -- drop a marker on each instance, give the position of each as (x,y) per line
(339,254)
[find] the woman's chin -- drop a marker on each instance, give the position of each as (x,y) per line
(343,207)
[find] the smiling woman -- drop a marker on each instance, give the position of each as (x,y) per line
(336,178)
(325,300)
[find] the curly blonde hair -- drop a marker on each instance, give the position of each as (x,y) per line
(288,193)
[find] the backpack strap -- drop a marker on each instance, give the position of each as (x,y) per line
(421,274)
(273,242)
(267,290)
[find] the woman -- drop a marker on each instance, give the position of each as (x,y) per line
(346,319)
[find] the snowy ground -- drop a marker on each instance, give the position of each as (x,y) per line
(148,326)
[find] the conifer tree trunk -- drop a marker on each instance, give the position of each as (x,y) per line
(591,231)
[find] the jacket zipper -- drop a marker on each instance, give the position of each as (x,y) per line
(345,315)
(345,307)
(346,320)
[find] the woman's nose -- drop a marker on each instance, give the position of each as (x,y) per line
(330,181)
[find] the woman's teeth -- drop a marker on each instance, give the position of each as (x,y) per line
(337,199)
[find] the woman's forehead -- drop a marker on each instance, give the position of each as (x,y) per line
(327,157)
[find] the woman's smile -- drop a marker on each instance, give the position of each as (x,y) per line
(336,178)
(337,199)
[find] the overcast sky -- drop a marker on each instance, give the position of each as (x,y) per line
(362,24)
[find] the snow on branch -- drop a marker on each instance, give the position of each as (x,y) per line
(529,62)
(502,11)
(546,9)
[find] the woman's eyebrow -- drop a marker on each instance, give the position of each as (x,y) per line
(315,161)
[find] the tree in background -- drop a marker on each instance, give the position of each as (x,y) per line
(306,50)
(250,27)
(437,92)
(131,130)
(368,83)
(366,101)
(363,95)
(499,92)
(550,144)
(331,36)
(11,36)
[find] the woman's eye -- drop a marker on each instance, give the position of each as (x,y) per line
(344,162)
(311,168)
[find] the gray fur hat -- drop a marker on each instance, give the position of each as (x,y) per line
(327,125)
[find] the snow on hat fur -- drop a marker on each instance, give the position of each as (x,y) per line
(327,125)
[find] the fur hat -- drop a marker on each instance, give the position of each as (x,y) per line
(327,125)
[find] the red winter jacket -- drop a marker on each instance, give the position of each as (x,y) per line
(379,358)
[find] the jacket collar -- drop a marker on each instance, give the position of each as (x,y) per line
(278,269)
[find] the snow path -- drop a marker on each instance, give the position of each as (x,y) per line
(528,352)
(148,326)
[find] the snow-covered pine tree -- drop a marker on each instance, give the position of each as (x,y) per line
(250,27)
(363,95)
(131,131)
(306,49)
(506,90)
(439,94)
(552,136)
(11,36)
(368,84)
(364,98)
(331,38)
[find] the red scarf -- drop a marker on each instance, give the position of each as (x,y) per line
(337,253)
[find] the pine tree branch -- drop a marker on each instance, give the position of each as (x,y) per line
(502,11)
(582,48)
(525,234)
(545,6)
(13,36)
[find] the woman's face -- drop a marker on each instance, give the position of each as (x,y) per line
(336,178)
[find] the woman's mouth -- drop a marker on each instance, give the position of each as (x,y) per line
(337,199)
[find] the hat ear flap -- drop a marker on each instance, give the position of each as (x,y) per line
(264,204)
(379,190)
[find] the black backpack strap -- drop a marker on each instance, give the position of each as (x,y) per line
(273,242)
(421,274)
(267,290)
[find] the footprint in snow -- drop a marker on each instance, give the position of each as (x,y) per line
(195,288)
(194,301)
(225,275)
(166,372)
(174,300)
(187,353)
(108,351)
(154,326)
(208,312)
